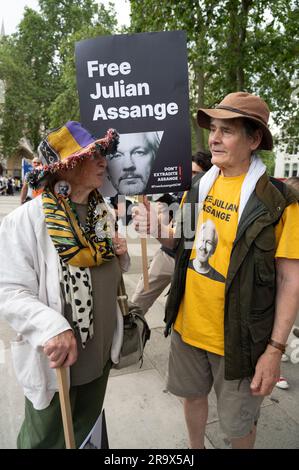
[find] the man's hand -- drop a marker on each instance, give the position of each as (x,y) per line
(62,349)
(267,372)
(145,218)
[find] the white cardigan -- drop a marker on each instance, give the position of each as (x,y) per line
(30,299)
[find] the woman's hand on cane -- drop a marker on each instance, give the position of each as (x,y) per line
(62,349)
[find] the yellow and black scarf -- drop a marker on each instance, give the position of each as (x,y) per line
(79,248)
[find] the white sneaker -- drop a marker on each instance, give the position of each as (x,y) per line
(282,383)
(284,358)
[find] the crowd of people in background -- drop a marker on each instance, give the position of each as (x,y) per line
(9,185)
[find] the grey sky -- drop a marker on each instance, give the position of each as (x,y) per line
(11,12)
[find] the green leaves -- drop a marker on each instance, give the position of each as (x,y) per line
(37,66)
(249,45)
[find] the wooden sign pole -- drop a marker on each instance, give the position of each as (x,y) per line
(144,255)
(65,405)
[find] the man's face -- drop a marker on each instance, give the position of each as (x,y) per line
(230,146)
(196,169)
(129,168)
(206,244)
(35,163)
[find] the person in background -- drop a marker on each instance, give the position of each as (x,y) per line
(162,265)
(60,268)
(17,183)
(201,162)
(3,185)
(10,187)
(293,181)
(27,193)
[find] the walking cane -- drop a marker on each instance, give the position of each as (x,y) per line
(65,405)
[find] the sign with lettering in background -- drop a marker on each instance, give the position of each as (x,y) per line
(138,85)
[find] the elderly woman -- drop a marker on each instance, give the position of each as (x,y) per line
(60,267)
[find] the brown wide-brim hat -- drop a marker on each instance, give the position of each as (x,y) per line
(236,105)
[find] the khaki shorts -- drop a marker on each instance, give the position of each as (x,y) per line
(192,372)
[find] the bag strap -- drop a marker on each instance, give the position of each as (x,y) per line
(122,298)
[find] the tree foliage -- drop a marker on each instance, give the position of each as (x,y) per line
(37,66)
(248,45)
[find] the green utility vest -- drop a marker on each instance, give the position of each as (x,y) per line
(250,287)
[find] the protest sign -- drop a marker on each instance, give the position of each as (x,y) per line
(97,438)
(138,84)
(26,167)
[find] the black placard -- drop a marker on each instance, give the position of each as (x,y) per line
(138,84)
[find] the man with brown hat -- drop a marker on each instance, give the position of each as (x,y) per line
(230,332)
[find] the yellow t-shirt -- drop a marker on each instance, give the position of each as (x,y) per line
(200,319)
(287,233)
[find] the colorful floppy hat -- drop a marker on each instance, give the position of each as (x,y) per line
(240,104)
(64,147)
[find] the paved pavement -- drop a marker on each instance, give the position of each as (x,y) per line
(140,413)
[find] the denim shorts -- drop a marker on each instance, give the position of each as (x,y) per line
(193,371)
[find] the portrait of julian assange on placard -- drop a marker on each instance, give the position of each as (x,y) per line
(130,166)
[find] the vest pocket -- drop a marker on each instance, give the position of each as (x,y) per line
(264,250)
(264,274)
(260,332)
(264,269)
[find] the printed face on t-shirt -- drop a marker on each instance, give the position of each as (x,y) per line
(207,241)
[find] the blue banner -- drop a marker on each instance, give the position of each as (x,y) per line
(26,167)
